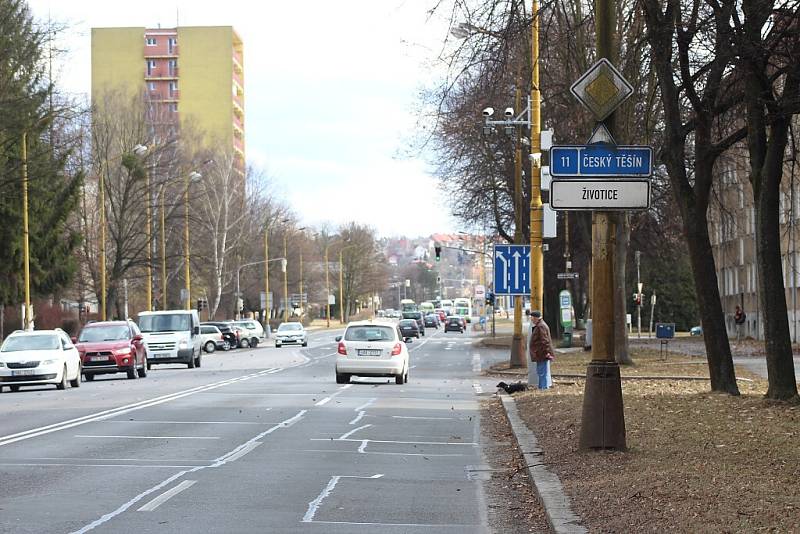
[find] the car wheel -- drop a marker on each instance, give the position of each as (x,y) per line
(63,383)
(76,382)
(245,344)
(190,364)
(198,360)
(254,342)
(400,379)
(210,346)
(1,389)
(226,345)
(131,373)
(149,366)
(14,388)
(342,378)
(88,376)
(277,345)
(305,343)
(142,370)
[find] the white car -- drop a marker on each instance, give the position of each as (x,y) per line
(372,348)
(291,333)
(39,357)
(254,330)
(211,338)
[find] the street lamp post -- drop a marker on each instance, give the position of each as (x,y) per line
(191,177)
(285,281)
(28,318)
(267,307)
(163,253)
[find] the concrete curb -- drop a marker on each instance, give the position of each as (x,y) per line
(556,503)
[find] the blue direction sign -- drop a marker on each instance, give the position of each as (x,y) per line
(512,269)
(601,160)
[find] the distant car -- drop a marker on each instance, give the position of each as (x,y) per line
(227,332)
(112,347)
(417,316)
(372,348)
(409,328)
(212,338)
(39,357)
(454,324)
(291,334)
(432,320)
(442,314)
(254,330)
(696,331)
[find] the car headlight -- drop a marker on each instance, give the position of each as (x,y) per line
(123,352)
(48,362)
(2,364)
(183,344)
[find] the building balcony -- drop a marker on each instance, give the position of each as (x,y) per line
(161,74)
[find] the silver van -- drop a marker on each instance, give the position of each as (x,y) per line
(172,336)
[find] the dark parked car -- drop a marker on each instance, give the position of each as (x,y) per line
(409,328)
(417,316)
(111,347)
(432,320)
(228,333)
(454,324)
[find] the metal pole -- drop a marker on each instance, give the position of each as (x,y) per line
(301,281)
(537,212)
(603,420)
(28,318)
(149,232)
(285,281)
(186,244)
(341,288)
(267,307)
(638,294)
(327,291)
(102,195)
(163,255)
(517,340)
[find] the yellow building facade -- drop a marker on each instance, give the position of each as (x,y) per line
(190,76)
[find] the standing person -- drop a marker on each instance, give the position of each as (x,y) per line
(540,349)
(739,317)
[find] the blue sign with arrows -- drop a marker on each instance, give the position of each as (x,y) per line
(512,269)
(601,160)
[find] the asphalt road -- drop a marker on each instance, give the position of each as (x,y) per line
(258,440)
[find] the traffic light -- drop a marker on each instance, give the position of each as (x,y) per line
(637,299)
(201,304)
(437,248)
(490,299)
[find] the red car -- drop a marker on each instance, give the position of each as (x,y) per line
(442,315)
(111,347)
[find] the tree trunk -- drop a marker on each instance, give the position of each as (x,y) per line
(777,339)
(715,336)
(623,238)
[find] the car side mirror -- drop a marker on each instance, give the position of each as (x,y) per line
(409,340)
(196,331)
(338,338)
(74,339)
(138,337)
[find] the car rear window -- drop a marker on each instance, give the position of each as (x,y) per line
(408,322)
(369,333)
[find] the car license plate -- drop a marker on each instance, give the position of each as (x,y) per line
(24,372)
(98,359)
(369,352)
(164,355)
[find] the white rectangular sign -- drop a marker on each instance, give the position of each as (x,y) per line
(600,194)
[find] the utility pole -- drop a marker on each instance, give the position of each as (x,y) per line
(517,340)
(603,420)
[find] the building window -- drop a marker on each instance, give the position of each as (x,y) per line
(173,66)
(151,41)
(173,88)
(151,86)
(173,107)
(171,43)
(151,66)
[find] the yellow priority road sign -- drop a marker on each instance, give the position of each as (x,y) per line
(601,89)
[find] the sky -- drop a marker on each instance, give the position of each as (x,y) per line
(331,90)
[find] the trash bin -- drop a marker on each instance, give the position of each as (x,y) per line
(566,341)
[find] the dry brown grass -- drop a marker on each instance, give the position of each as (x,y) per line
(696,462)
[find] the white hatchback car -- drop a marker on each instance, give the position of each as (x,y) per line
(291,333)
(372,348)
(39,357)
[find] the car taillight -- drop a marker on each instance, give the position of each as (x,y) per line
(397,349)
(342,349)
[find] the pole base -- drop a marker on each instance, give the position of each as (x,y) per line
(603,421)
(518,359)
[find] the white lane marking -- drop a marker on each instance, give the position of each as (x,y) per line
(314,505)
(149,437)
(363,446)
(222,460)
(365,405)
(412,367)
(326,400)
(243,451)
(44,464)
(348,434)
(164,497)
(477,387)
(261,394)
(144,421)
(461,528)
(476,363)
(357,418)
(384,453)
(121,410)
(400,442)
(424,418)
